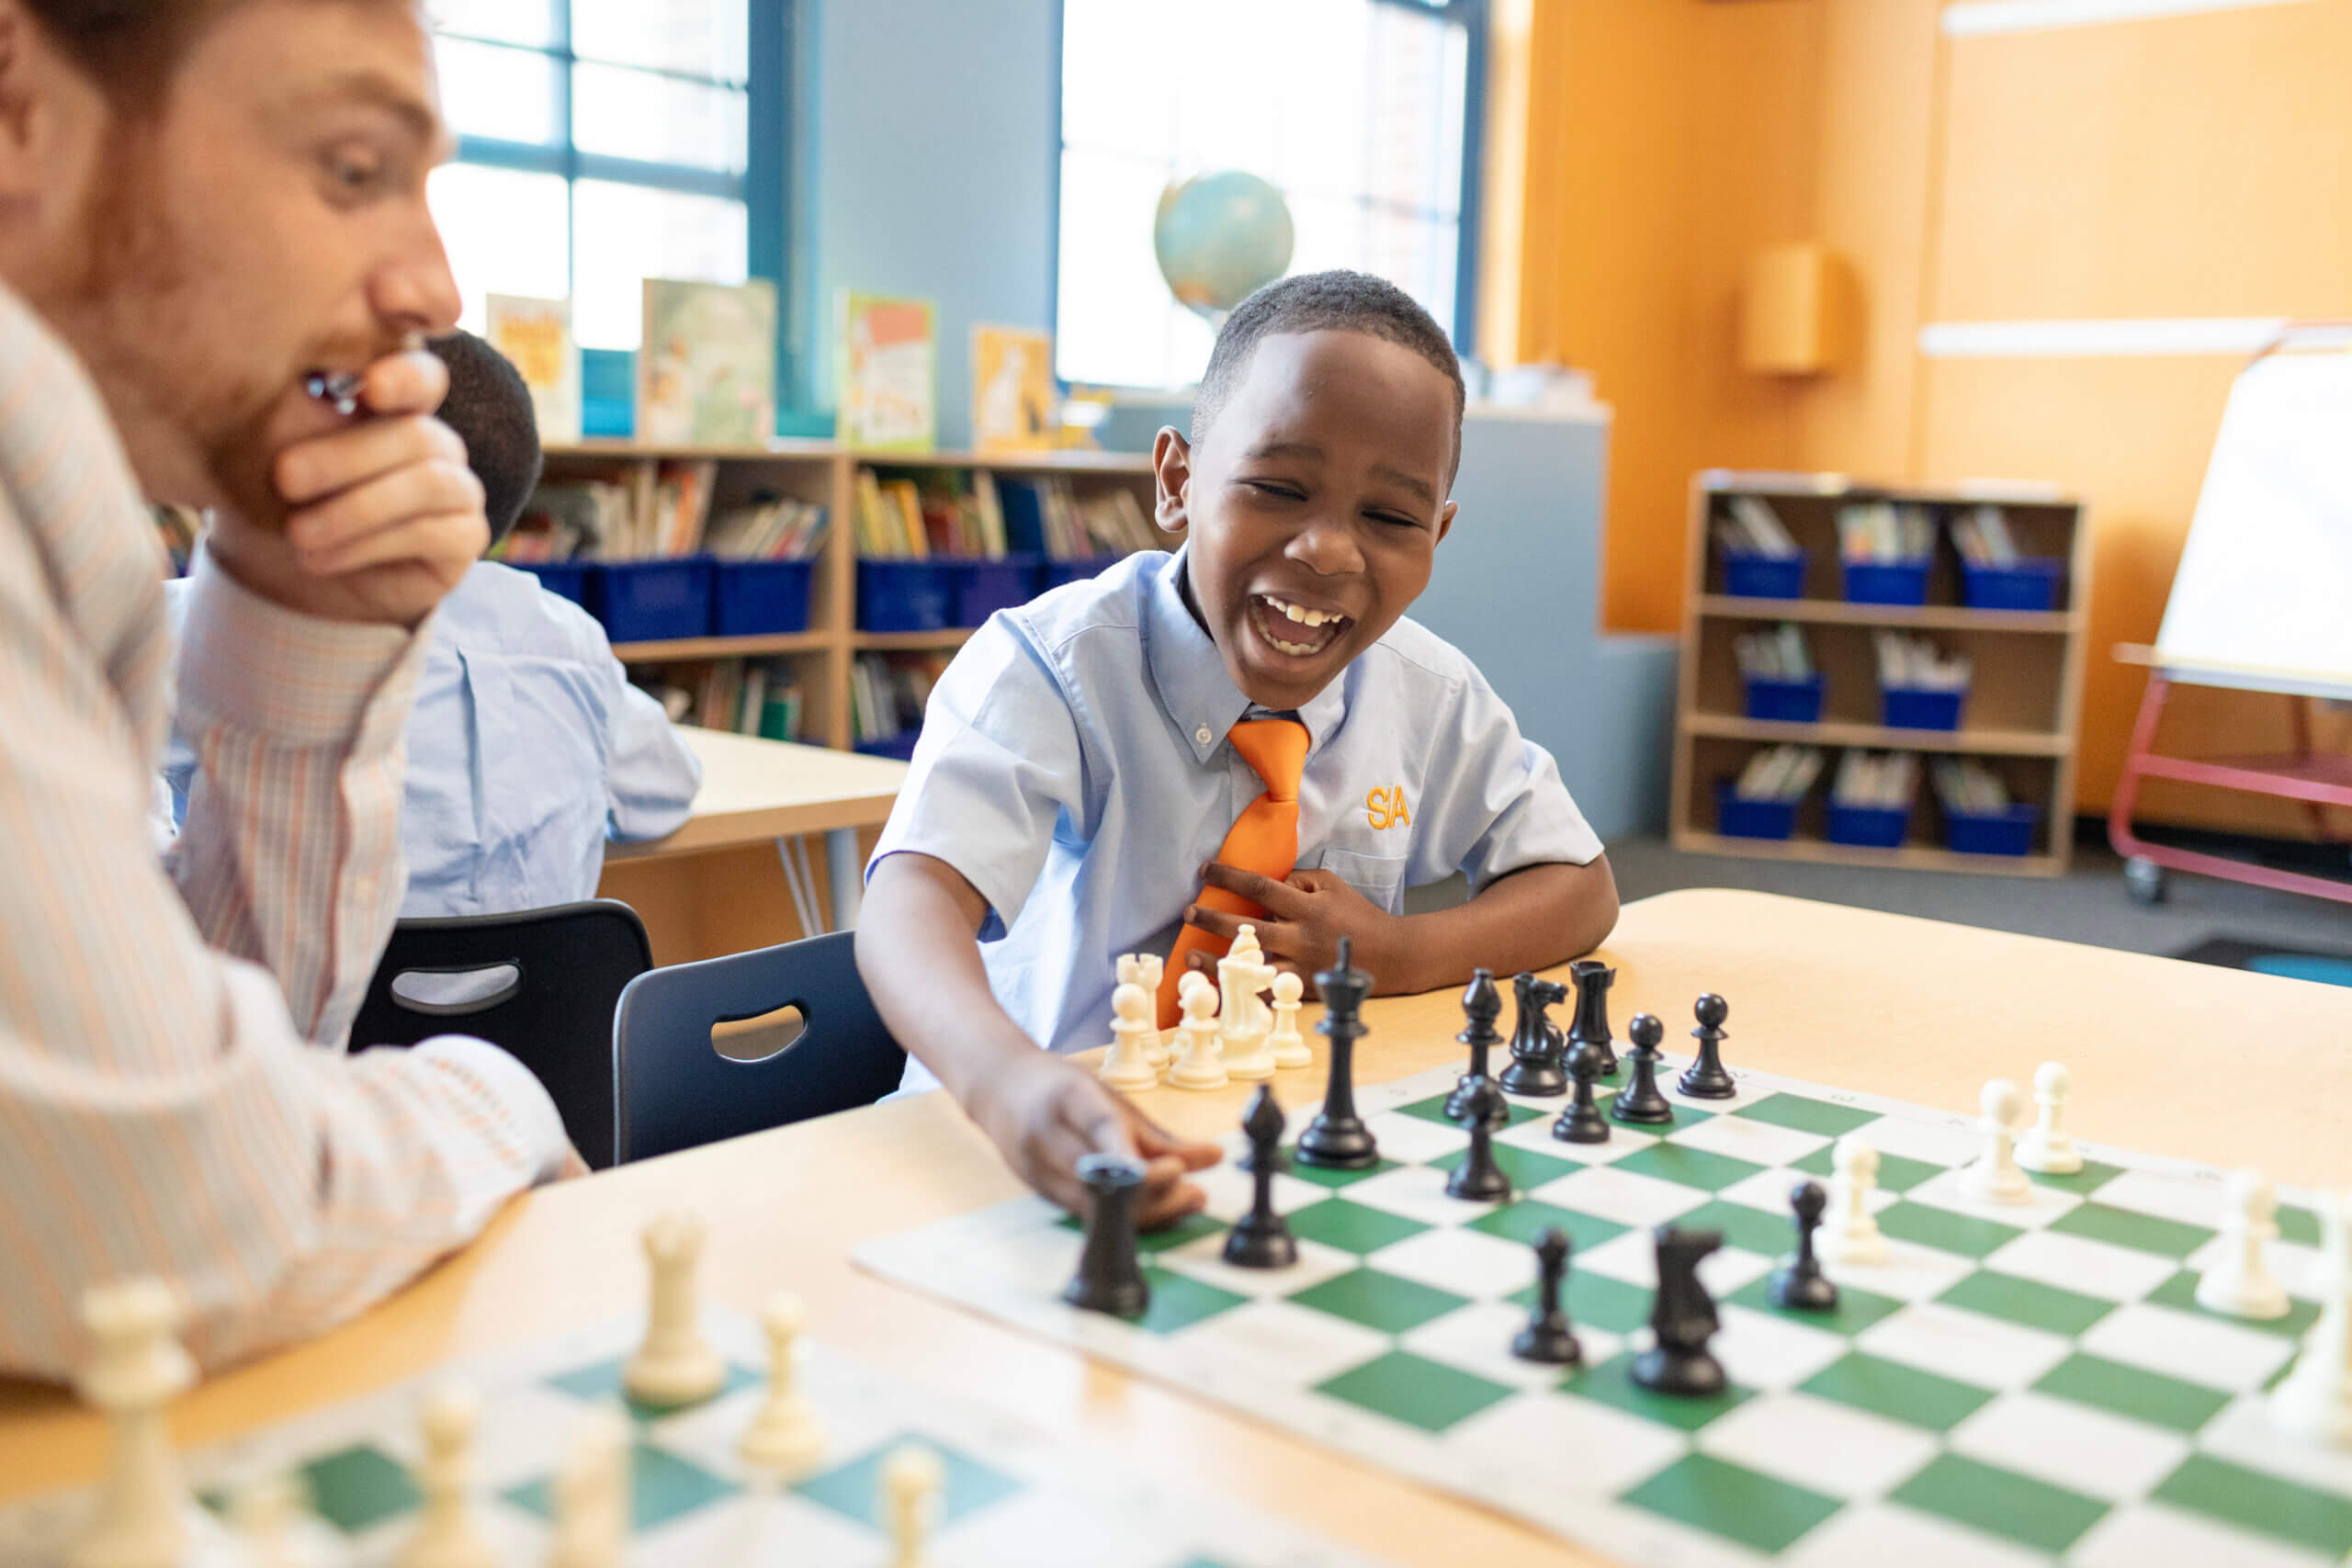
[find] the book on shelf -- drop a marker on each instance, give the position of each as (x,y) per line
(536,334)
(745,696)
(639,511)
(1013,389)
(887,379)
(888,692)
(768,527)
(1049,517)
(706,373)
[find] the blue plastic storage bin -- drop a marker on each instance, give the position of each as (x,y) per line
(901,746)
(2029,584)
(653,600)
(905,595)
(1052,574)
(1873,826)
(1764,577)
(1886,582)
(564,579)
(762,598)
(2007,833)
(1737,819)
(983,586)
(1785,701)
(1914,708)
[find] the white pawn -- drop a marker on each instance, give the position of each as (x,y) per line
(910,1485)
(1144,970)
(1851,1232)
(1246,1026)
(675,1365)
(142,1516)
(2314,1399)
(592,1496)
(1287,1043)
(2045,1146)
(274,1529)
(447,1536)
(1993,1177)
(1128,1064)
(1199,1052)
(787,1435)
(2241,1283)
(1245,943)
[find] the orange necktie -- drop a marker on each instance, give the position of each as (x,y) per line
(1264,839)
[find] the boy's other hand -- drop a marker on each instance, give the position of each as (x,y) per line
(383,516)
(1305,917)
(1043,1113)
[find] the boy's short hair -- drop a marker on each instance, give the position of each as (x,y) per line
(490,407)
(1338,301)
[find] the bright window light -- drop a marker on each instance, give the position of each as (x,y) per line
(1354,109)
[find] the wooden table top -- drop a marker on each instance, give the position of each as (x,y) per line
(754,790)
(2214,1064)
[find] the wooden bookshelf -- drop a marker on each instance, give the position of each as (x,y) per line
(822,472)
(2019,719)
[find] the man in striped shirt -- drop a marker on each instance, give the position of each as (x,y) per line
(205,200)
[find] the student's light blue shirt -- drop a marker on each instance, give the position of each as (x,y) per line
(1074,768)
(527,749)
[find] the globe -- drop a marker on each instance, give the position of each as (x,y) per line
(1218,237)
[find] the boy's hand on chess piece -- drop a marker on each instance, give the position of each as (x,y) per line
(373,519)
(1305,917)
(1043,1113)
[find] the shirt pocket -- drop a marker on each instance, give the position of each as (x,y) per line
(1380,878)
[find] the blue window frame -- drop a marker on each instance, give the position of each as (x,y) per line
(1366,113)
(603,141)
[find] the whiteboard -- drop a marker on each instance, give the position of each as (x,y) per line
(2265,585)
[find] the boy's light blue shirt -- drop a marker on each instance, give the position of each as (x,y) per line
(527,749)
(1074,768)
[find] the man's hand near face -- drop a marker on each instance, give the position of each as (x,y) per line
(382,515)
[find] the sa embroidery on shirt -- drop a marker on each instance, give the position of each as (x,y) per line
(1385,809)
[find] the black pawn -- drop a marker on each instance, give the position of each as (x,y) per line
(1479,1178)
(1261,1238)
(1682,1320)
(1798,1283)
(1639,1101)
(1536,1044)
(1590,1026)
(1109,1278)
(1549,1336)
(1582,1122)
(1337,1139)
(1481,1005)
(1705,1078)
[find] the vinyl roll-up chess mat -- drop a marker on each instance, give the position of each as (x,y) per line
(2016,1384)
(1011,1497)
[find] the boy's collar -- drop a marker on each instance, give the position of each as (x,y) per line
(1188,674)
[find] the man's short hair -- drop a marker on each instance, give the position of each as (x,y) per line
(490,407)
(129,48)
(1338,301)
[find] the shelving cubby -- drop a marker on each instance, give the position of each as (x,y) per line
(2020,717)
(822,472)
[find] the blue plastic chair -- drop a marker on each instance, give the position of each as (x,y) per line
(672,1091)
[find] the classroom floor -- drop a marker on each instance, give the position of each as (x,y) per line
(2087,904)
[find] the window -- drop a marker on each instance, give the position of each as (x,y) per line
(1359,111)
(600,142)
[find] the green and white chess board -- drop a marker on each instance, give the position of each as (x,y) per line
(2018,1384)
(1011,1498)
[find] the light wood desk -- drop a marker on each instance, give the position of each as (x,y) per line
(754,791)
(2168,1057)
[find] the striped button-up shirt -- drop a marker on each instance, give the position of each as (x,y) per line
(163,1108)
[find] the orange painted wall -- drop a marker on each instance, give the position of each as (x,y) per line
(2196,165)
